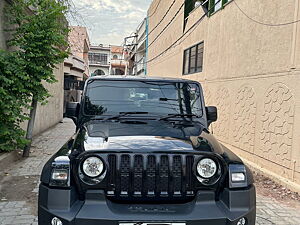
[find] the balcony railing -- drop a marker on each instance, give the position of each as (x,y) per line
(116,62)
(99,62)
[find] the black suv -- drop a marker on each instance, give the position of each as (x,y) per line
(143,155)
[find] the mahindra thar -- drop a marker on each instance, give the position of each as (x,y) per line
(143,154)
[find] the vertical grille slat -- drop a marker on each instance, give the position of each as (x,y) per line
(125,174)
(189,175)
(164,175)
(177,175)
(112,161)
(138,175)
(151,175)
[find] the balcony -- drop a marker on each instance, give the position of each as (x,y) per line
(118,63)
(140,66)
(98,63)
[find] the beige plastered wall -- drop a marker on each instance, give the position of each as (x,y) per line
(50,114)
(3,36)
(251,72)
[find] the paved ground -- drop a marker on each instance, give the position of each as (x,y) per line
(19,207)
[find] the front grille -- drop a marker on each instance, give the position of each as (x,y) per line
(137,176)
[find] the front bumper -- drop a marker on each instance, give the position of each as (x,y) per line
(97,210)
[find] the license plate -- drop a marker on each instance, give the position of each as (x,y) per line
(151,223)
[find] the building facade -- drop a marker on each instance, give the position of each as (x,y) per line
(99,60)
(76,66)
(246,54)
(53,110)
(106,60)
(118,65)
(137,50)
(79,43)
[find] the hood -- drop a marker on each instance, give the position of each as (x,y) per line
(133,143)
(141,136)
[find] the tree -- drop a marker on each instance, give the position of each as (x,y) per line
(13,100)
(40,39)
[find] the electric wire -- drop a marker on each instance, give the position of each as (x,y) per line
(177,45)
(164,16)
(75,15)
(178,11)
(155,9)
(263,23)
(176,41)
(163,30)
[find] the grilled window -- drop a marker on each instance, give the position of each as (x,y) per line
(98,58)
(193,59)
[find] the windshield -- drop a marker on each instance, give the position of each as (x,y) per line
(157,98)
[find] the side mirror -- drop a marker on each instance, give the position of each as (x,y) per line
(72,111)
(70,143)
(212,114)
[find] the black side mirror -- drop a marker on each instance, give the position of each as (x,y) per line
(72,111)
(212,114)
(70,143)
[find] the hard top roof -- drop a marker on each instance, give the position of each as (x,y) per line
(138,78)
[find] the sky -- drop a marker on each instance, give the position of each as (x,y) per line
(108,21)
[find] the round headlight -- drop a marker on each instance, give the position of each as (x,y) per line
(93,167)
(206,168)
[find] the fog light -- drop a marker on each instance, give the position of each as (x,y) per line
(56,221)
(241,221)
(60,174)
(238,177)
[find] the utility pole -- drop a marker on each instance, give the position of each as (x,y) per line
(129,47)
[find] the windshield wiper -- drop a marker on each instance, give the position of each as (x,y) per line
(168,99)
(177,115)
(121,114)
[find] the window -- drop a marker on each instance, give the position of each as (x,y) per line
(115,57)
(225,1)
(215,5)
(156,98)
(103,58)
(190,5)
(99,72)
(98,58)
(193,59)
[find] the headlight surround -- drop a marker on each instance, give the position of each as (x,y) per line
(207,168)
(93,167)
(60,173)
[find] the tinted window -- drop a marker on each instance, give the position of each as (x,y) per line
(157,98)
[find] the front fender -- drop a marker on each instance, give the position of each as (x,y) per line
(63,151)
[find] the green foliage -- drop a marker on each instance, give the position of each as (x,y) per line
(13,99)
(39,40)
